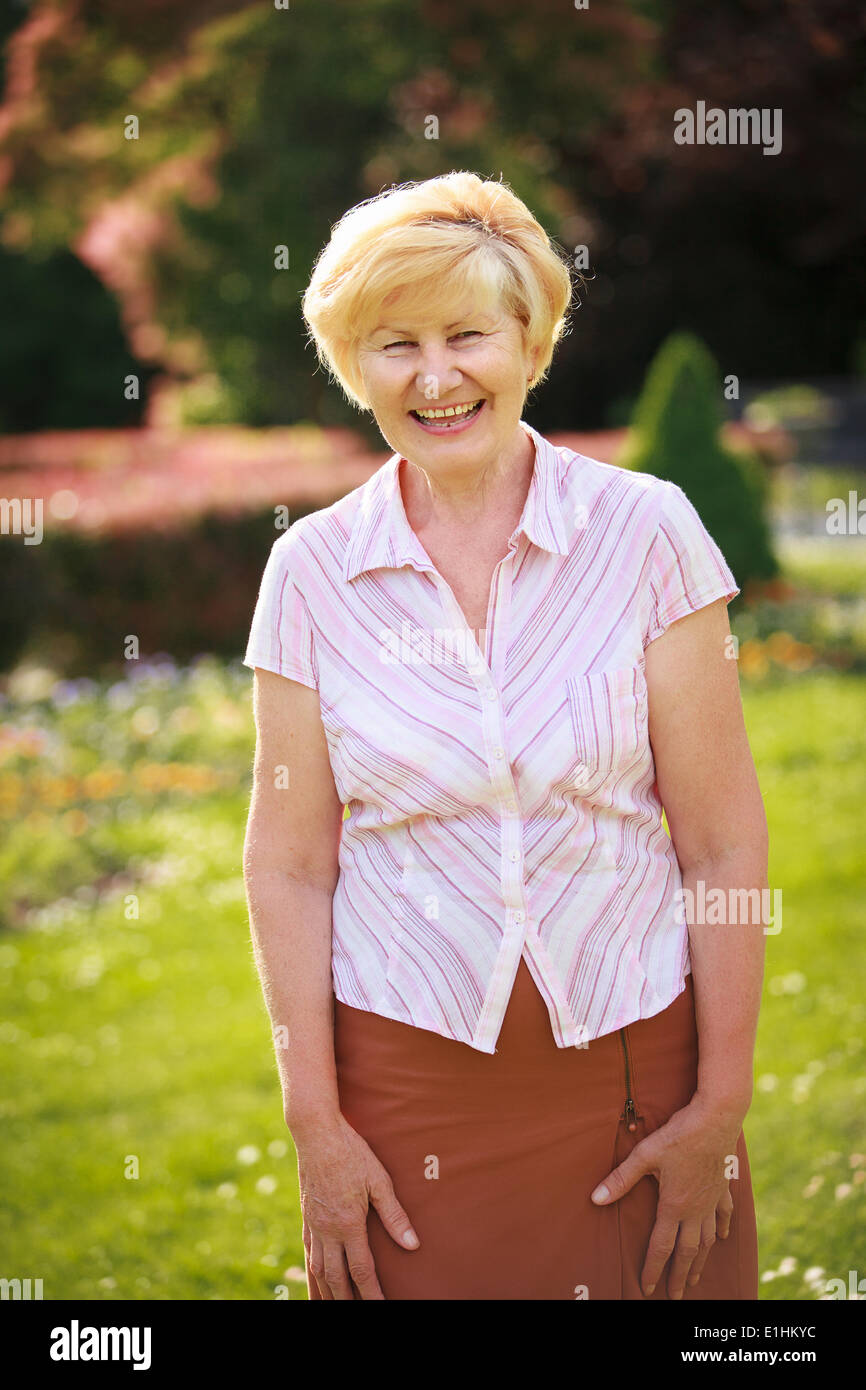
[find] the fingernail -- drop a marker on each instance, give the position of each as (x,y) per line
(649,1289)
(600,1194)
(410,1239)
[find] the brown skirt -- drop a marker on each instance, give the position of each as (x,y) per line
(494,1157)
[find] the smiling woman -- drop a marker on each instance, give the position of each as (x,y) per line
(480,248)
(497,1031)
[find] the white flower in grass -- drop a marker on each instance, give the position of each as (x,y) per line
(843,1190)
(768,1082)
(813,1185)
(248,1154)
(266,1185)
(788,1265)
(814,1275)
(227,1190)
(767,1275)
(278,1148)
(794,983)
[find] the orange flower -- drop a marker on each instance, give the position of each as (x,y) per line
(75,821)
(56,790)
(753,659)
(102,782)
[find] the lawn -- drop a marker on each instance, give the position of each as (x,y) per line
(144,1152)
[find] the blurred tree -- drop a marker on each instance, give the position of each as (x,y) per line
(258,127)
(64,357)
(675,435)
(760,255)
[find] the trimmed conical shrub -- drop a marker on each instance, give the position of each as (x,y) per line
(675,434)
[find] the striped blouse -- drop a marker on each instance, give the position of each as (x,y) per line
(502,801)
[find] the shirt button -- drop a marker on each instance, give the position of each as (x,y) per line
(492,694)
(499,752)
(515,855)
(518,916)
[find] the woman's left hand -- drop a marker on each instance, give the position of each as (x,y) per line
(688,1156)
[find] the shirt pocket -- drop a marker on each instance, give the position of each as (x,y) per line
(609,723)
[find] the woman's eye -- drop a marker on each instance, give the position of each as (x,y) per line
(406,342)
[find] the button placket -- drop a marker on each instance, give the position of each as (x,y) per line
(511,825)
(495,739)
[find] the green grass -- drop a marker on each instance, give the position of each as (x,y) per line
(831,565)
(146,1036)
(808,739)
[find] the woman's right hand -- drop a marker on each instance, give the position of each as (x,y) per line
(340,1178)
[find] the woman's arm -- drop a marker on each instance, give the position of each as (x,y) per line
(715,812)
(290,870)
(291,867)
(709,788)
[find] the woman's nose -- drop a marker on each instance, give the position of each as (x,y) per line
(438,374)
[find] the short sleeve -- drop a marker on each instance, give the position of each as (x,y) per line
(281,634)
(688,570)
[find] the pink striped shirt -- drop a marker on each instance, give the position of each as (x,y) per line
(502,802)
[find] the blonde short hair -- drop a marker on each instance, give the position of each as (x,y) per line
(457,230)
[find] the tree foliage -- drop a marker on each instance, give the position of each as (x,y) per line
(675,435)
(258,127)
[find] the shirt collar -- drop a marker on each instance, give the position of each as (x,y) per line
(381,536)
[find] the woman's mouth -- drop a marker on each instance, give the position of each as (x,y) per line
(448,419)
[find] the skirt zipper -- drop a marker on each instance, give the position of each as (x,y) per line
(629,1115)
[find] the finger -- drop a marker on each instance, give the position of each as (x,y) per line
(336,1272)
(362,1269)
(317,1267)
(685,1253)
(661,1242)
(724,1216)
(708,1240)
(313,1287)
(390,1212)
(622,1179)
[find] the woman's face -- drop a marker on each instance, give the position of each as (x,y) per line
(416,363)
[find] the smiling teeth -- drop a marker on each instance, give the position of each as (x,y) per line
(448,412)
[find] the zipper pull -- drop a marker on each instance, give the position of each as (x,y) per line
(630,1116)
